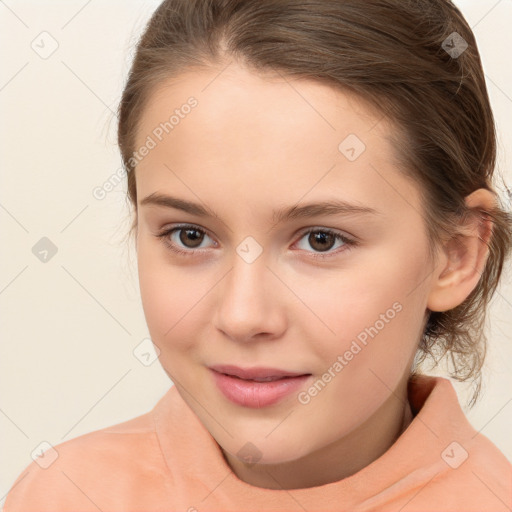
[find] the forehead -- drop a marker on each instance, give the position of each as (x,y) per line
(236,101)
(247,132)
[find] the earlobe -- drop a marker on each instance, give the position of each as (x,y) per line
(464,256)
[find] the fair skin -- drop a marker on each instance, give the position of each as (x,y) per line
(251,146)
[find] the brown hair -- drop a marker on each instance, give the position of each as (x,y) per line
(391,53)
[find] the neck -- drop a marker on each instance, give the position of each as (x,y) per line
(338,460)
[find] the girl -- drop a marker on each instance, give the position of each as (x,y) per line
(314,214)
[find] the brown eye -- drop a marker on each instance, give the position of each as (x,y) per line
(321,240)
(191,237)
(183,240)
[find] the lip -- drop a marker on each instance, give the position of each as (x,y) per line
(254,394)
(257,372)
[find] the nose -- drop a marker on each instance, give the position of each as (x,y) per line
(251,301)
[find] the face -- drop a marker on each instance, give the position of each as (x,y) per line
(338,295)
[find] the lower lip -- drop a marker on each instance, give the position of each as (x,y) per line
(250,393)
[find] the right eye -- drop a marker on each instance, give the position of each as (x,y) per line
(186,234)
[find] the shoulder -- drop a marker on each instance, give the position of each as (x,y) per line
(476,476)
(84,472)
(459,468)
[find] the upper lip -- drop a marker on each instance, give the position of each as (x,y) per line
(258,372)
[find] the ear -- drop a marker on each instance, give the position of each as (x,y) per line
(464,256)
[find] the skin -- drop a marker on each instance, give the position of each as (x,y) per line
(254,144)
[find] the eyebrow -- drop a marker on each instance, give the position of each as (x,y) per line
(329,207)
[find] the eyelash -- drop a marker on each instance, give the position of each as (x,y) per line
(163,236)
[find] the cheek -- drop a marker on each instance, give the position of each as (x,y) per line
(374,319)
(370,295)
(173,298)
(162,294)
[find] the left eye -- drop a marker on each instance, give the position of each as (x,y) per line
(191,237)
(323,239)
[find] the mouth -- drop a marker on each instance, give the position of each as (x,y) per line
(257,387)
(262,379)
(257,374)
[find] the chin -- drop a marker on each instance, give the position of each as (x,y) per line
(256,452)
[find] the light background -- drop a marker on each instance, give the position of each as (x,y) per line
(70,325)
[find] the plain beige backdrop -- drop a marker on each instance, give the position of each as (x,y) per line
(74,354)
